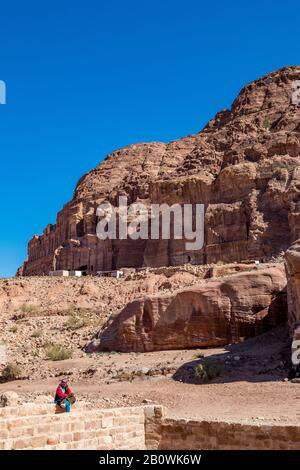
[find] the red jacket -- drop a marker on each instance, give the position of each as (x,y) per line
(60,395)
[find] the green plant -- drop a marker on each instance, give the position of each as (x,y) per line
(207,370)
(98,323)
(72,310)
(37,333)
(75,322)
(107,353)
(57,352)
(28,308)
(199,355)
(266,123)
(11,371)
(291,167)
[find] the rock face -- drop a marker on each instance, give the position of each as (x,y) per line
(292,257)
(213,313)
(244,166)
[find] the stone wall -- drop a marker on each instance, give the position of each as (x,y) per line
(35,426)
(173,434)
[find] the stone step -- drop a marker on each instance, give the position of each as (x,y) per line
(32,425)
(51,439)
(87,444)
(70,439)
(27,420)
(29,409)
(21,432)
(84,428)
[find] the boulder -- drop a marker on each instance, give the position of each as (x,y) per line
(9,399)
(212,313)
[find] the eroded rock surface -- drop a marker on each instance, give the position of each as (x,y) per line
(212,313)
(292,263)
(244,166)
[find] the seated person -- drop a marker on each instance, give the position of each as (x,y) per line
(64,396)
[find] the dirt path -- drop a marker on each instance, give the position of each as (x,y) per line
(237,401)
(252,385)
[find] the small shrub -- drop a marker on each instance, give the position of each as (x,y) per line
(78,318)
(76,322)
(37,333)
(290,168)
(107,353)
(28,308)
(11,371)
(266,123)
(98,323)
(14,329)
(207,370)
(72,310)
(57,352)
(199,355)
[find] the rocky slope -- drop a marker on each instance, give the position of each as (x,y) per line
(37,311)
(244,166)
(68,312)
(212,313)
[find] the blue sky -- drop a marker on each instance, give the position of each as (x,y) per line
(86,78)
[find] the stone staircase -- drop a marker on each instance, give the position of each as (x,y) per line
(35,426)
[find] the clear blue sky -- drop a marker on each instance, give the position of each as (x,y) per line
(86,78)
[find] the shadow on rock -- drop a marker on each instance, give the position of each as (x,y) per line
(261,359)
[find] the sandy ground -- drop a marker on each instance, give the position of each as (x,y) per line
(35,312)
(251,386)
(238,401)
(247,390)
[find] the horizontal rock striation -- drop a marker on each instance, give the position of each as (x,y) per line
(292,264)
(244,166)
(213,313)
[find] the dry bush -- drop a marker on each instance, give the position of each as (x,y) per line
(11,371)
(37,333)
(57,352)
(207,370)
(28,308)
(78,318)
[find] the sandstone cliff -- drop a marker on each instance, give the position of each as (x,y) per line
(212,313)
(292,258)
(244,166)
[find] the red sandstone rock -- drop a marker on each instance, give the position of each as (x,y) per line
(244,166)
(213,313)
(292,258)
